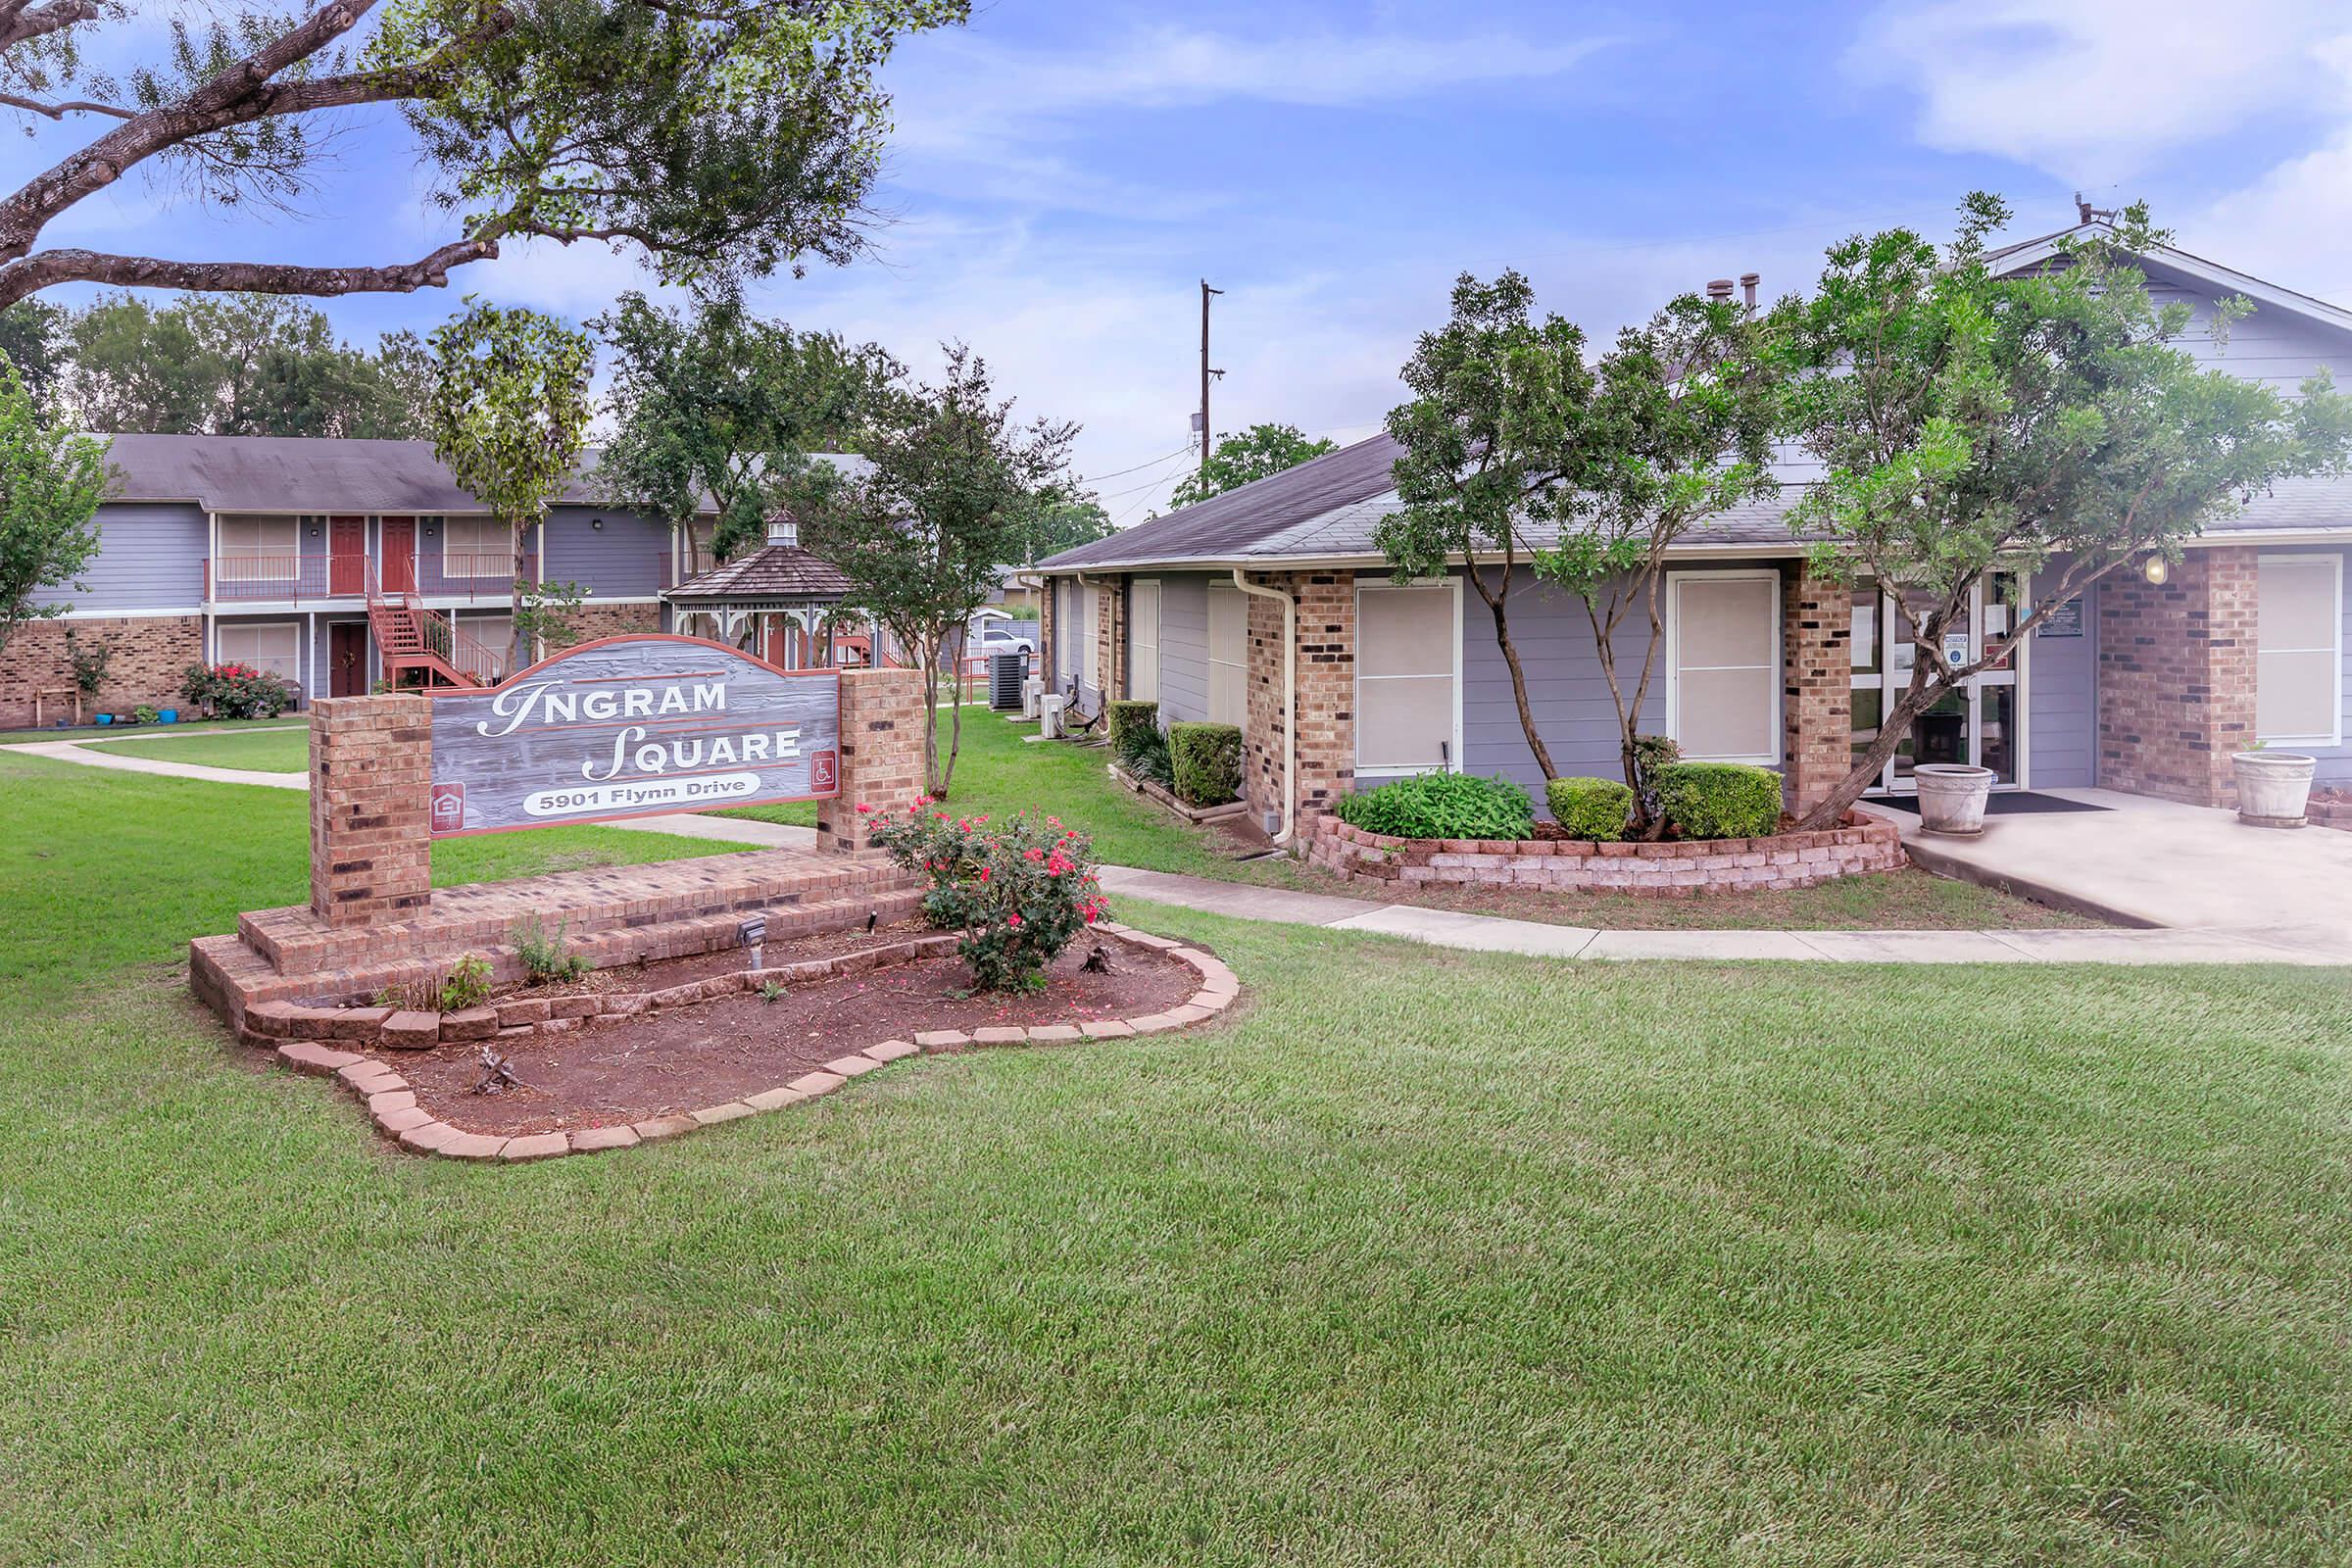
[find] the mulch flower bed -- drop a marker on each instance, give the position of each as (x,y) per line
(611,1080)
(659,974)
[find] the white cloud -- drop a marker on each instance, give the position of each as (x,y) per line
(2294,224)
(2091,90)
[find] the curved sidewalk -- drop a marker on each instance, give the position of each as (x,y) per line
(1486,933)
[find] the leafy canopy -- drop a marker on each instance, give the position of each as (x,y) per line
(1262,451)
(237,365)
(1061,525)
(721,404)
(954,485)
(51,481)
(2050,423)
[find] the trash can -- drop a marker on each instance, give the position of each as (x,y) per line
(1005,673)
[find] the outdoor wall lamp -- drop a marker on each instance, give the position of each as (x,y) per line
(2156,570)
(596,522)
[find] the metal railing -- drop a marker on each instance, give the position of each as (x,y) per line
(277,578)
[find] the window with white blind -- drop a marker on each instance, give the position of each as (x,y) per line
(1723,666)
(272,646)
(1090,637)
(1408,689)
(259,549)
(1228,655)
(2300,669)
(1143,642)
(476,547)
(495,634)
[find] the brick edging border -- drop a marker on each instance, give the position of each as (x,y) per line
(392,1106)
(1680,868)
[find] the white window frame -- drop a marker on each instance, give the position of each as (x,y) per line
(1159,638)
(2334,563)
(1365,769)
(1674,662)
(222,655)
(1210,663)
(474,553)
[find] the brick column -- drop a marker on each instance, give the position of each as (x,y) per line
(1049,599)
(372,846)
(2177,671)
(1110,636)
(881,753)
(1817,711)
(1326,697)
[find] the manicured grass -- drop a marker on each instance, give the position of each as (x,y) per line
(93,866)
(12,737)
(1429,1258)
(262,751)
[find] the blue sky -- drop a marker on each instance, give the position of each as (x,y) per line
(1064,172)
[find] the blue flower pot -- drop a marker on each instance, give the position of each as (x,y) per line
(105,718)
(169,716)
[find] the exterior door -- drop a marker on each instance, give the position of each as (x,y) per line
(347,555)
(1982,723)
(347,659)
(400,553)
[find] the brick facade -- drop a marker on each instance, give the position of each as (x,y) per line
(1817,714)
(2177,671)
(371,768)
(614,620)
(1326,695)
(1110,636)
(881,753)
(150,658)
(1043,668)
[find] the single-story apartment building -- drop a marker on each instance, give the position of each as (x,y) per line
(1270,608)
(300,554)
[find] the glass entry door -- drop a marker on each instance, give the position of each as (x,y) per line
(1980,723)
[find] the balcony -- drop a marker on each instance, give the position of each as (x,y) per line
(485,576)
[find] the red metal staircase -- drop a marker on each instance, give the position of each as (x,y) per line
(409,637)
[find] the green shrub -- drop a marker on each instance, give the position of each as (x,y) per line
(1143,754)
(1442,805)
(1019,892)
(1124,719)
(1207,762)
(1593,808)
(1720,799)
(234,691)
(547,959)
(467,985)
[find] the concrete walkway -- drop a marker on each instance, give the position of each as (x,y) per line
(2273,938)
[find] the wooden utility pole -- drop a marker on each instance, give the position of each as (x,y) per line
(1205,371)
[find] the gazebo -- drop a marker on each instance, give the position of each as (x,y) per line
(778,603)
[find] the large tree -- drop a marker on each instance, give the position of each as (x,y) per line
(1262,451)
(510,419)
(1971,424)
(33,337)
(721,404)
(724,138)
(51,481)
(953,484)
(1064,525)
(236,364)
(1498,439)
(1683,427)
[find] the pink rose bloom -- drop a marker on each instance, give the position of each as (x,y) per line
(1013,919)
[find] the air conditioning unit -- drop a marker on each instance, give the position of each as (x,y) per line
(1048,714)
(1031,691)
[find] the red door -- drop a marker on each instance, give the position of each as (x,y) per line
(400,553)
(347,555)
(347,659)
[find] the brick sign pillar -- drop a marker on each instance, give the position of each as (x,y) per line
(881,753)
(371,850)
(1817,700)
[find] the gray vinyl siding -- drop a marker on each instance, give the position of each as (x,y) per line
(2061,675)
(2270,346)
(1565,686)
(150,557)
(622,560)
(1183,647)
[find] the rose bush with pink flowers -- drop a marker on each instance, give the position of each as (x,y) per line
(1018,891)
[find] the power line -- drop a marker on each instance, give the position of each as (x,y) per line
(1097,478)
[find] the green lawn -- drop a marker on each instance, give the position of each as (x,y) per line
(1427,1259)
(262,751)
(92,732)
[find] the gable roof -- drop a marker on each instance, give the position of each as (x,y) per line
(1239,521)
(301,473)
(2169,264)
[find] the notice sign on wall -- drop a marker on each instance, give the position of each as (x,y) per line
(632,726)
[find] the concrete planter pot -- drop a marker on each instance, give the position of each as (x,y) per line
(1953,797)
(2274,788)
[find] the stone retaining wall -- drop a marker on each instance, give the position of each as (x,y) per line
(1678,869)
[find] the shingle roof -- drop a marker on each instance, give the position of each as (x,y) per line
(773,572)
(1235,523)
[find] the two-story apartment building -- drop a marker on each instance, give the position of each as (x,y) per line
(1271,608)
(269,550)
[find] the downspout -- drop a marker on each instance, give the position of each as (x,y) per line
(1290,699)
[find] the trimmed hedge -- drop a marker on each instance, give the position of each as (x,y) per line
(1720,799)
(1126,716)
(1595,809)
(1442,805)
(1206,760)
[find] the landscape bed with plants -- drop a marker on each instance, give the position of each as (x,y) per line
(1191,768)
(564,1059)
(1692,828)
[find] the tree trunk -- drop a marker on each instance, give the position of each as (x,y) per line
(927,660)
(954,736)
(1498,604)
(1892,728)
